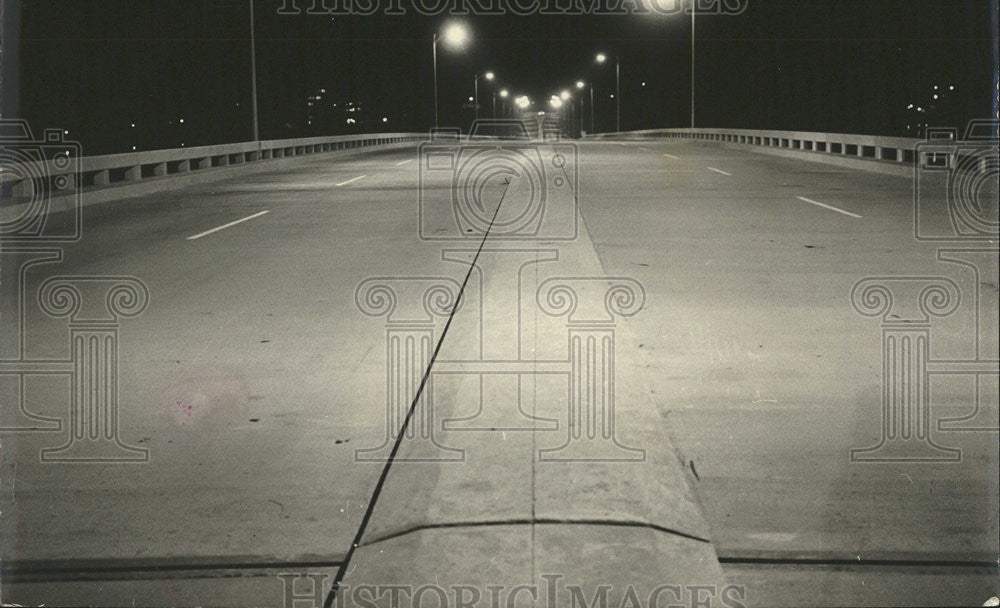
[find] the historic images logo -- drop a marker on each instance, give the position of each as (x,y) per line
(955,204)
(41,211)
(506,200)
(432,8)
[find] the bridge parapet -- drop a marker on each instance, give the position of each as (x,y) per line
(893,155)
(60,175)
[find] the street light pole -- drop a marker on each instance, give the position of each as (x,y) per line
(692,62)
(435,55)
(591,107)
(618,99)
(253,80)
(476,93)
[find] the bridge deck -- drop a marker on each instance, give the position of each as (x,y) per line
(253,377)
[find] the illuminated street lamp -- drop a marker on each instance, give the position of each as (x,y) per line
(454,35)
(601,58)
(580,85)
(475,86)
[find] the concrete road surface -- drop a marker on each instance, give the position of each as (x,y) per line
(255,374)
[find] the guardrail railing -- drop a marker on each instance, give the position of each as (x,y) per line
(58,167)
(889,151)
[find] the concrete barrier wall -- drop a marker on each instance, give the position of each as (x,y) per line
(93,179)
(891,155)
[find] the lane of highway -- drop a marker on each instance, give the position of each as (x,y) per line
(768,377)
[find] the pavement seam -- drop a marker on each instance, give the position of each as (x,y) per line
(538,521)
(342,570)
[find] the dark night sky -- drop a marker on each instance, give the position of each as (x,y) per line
(96,66)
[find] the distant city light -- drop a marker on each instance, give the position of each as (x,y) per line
(935,96)
(133,125)
(612,96)
(951,88)
(182,121)
(385,119)
(351,121)
(471,98)
(555,102)
(522,102)
(643,83)
(909,107)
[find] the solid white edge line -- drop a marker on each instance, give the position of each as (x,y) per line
(719,171)
(403,162)
(672,156)
(224,226)
(830,207)
(353,179)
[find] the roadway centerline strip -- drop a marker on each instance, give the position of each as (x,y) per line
(224,226)
(403,162)
(672,156)
(353,179)
(719,171)
(830,207)
(417,398)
